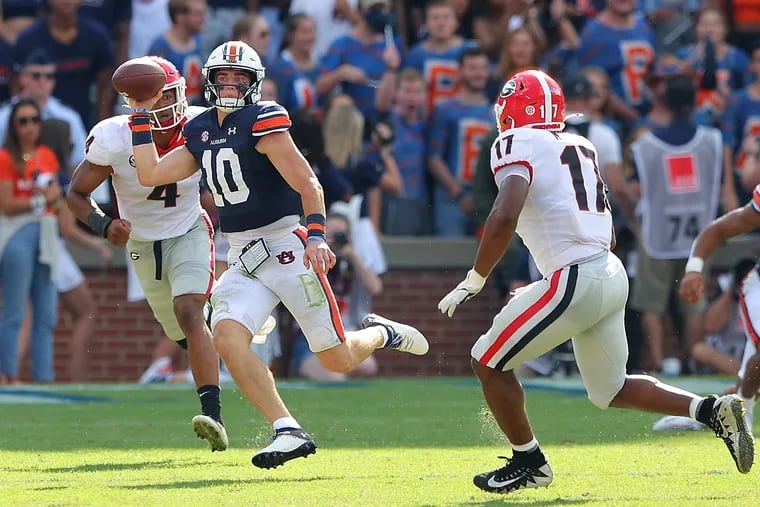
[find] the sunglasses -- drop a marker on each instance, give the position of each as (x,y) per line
(24,120)
(39,75)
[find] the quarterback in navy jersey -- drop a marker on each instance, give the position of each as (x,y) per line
(262,185)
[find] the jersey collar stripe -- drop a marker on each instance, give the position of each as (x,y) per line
(751,331)
(547,98)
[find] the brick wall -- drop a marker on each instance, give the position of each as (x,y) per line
(126,332)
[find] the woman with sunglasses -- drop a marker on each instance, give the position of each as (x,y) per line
(28,242)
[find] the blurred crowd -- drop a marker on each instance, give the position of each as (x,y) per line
(391,103)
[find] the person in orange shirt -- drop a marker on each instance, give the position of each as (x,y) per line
(29,190)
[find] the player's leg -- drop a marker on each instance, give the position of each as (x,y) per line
(241,306)
(188,265)
(310,299)
(651,290)
(534,321)
(749,372)
(601,353)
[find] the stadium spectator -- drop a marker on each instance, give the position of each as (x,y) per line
(521,50)
(181,44)
(28,242)
(222,16)
(333,19)
(493,19)
(300,37)
(749,170)
(83,53)
(678,168)
(115,15)
(150,18)
(36,81)
(361,62)
(455,130)
(6,65)
(437,56)
(623,45)
(741,119)
(17,15)
(294,91)
(408,213)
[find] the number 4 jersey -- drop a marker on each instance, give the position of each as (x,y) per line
(156,213)
(566,217)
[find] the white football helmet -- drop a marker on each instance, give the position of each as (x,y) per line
(233,55)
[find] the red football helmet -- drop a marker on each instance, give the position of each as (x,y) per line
(530,98)
(160,119)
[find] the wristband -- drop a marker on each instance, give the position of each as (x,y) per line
(694,264)
(140,125)
(99,223)
(315,225)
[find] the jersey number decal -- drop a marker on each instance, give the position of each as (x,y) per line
(225,177)
(573,161)
(167,193)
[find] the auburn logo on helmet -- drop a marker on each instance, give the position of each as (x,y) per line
(232,53)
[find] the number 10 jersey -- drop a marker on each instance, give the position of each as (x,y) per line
(566,217)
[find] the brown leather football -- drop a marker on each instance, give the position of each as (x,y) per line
(139,78)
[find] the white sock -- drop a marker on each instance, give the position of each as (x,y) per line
(285,422)
(533,444)
(693,406)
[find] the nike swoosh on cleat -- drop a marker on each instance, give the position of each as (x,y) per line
(497,484)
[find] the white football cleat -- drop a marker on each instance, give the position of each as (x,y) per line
(286,445)
(212,430)
(401,337)
(729,424)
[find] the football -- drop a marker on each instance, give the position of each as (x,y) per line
(139,78)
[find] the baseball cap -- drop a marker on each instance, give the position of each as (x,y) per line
(577,87)
(366,4)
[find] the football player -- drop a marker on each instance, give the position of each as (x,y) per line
(552,195)
(740,221)
(261,186)
(166,232)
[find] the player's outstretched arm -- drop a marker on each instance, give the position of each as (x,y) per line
(731,224)
(152,172)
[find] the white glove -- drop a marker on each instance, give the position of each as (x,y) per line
(464,291)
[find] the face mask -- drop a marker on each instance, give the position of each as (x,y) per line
(376,19)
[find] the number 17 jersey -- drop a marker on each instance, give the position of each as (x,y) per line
(566,217)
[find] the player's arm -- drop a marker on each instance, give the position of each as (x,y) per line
(296,171)
(175,166)
(87,177)
(731,224)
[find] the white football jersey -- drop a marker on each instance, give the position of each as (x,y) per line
(156,213)
(566,217)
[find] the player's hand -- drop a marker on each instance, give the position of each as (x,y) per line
(471,285)
(692,286)
(118,232)
(391,57)
(318,257)
(145,104)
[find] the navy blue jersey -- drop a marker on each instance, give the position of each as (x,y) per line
(248,190)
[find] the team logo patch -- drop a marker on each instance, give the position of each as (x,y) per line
(204,136)
(132,161)
(509,88)
(232,131)
(681,174)
(530,110)
(285,257)
(134,256)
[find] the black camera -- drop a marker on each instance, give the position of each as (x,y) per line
(339,239)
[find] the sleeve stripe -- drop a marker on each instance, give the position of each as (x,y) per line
(280,121)
(272,113)
(516,162)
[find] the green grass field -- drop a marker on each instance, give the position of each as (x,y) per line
(382,442)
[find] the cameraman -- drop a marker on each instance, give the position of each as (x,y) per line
(354,283)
